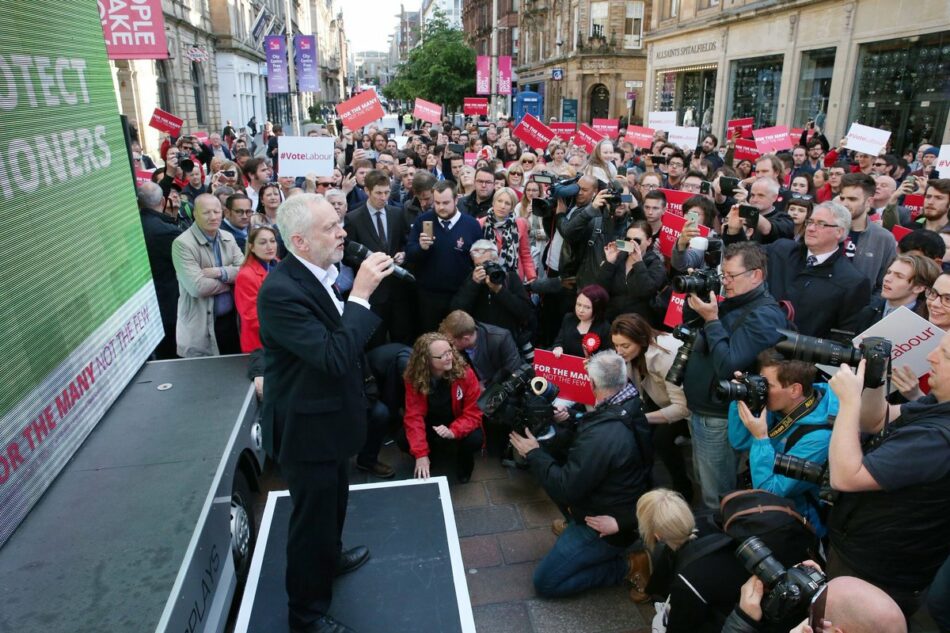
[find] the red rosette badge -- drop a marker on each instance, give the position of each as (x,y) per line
(591,343)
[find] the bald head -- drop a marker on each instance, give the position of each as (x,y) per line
(884,188)
(208,213)
(150,196)
(855,606)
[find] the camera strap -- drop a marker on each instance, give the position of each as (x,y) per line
(803,409)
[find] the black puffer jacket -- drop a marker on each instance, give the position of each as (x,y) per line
(632,291)
(606,470)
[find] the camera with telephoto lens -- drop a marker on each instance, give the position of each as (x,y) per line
(561,188)
(807,471)
(677,371)
(873,349)
(788,592)
(700,282)
(522,400)
(749,388)
(496,274)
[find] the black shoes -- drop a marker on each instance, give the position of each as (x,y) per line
(377,469)
(351,560)
(326,624)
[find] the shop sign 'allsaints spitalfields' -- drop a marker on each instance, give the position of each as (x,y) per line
(679,51)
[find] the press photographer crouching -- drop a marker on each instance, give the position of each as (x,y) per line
(890,522)
(782,413)
(720,339)
(597,485)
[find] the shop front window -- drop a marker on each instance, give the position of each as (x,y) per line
(814,87)
(691,93)
(903,85)
(755,88)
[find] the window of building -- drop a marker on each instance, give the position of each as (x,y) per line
(633,25)
(198,79)
(598,19)
(670,9)
(755,89)
(903,85)
(515,40)
(691,92)
(707,4)
(164,86)
(814,86)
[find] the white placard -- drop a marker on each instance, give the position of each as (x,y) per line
(869,140)
(401,141)
(665,121)
(912,338)
(943,161)
(304,155)
(684,137)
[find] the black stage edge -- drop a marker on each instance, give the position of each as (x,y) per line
(414,581)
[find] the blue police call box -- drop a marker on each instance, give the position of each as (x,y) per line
(528,102)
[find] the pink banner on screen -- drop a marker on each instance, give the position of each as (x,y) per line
(359,110)
(769,140)
(427,111)
(533,132)
(483,75)
(134,30)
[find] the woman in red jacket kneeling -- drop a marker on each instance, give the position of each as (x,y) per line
(442,414)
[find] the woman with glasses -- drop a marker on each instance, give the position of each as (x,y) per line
(632,275)
(510,232)
(516,178)
(442,415)
(528,161)
(600,165)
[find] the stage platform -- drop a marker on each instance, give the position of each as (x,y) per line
(414,581)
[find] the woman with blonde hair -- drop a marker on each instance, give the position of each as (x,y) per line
(700,575)
(442,414)
(510,233)
(536,233)
(600,164)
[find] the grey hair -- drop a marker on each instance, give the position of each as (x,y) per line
(841,213)
(295,216)
(484,245)
(770,183)
(607,371)
(332,193)
(150,195)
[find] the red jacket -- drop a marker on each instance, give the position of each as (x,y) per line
(526,269)
(468,416)
(246,286)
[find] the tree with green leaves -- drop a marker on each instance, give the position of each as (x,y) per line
(440,69)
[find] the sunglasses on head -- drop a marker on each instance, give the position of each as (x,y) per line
(801,196)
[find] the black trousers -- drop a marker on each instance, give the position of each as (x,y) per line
(377,423)
(461,451)
(433,307)
(664,445)
(399,320)
(319,492)
(226,334)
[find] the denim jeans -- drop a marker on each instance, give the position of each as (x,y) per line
(938,598)
(714,459)
(579,560)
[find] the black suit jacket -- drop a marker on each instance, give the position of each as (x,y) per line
(496,354)
(360,227)
(314,407)
(160,231)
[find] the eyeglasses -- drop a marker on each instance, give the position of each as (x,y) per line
(732,277)
(802,196)
(443,356)
(675,163)
(650,187)
(880,164)
(818,224)
(242,211)
(324,184)
(932,295)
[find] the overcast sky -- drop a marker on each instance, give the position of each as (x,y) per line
(369,23)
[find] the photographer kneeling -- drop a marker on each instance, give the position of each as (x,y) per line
(783,412)
(890,523)
(606,470)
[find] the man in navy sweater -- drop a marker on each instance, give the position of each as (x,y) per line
(441,259)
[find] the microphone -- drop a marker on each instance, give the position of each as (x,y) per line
(354,253)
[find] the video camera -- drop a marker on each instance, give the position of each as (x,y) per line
(559,188)
(789,592)
(873,349)
(522,400)
(749,388)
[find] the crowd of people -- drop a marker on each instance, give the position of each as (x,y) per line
(561,249)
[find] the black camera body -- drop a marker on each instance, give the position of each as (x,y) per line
(807,471)
(788,591)
(521,401)
(496,274)
(561,188)
(875,350)
(700,282)
(677,371)
(749,388)
(614,195)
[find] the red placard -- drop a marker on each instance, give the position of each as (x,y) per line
(362,109)
(608,127)
(143,176)
(914,202)
(675,200)
(563,129)
(533,132)
(674,311)
(745,150)
(475,106)
(769,140)
(640,136)
(740,128)
(568,373)
(670,232)
(202,137)
(900,232)
(134,30)
(427,111)
(470,158)
(165,122)
(587,137)
(795,135)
